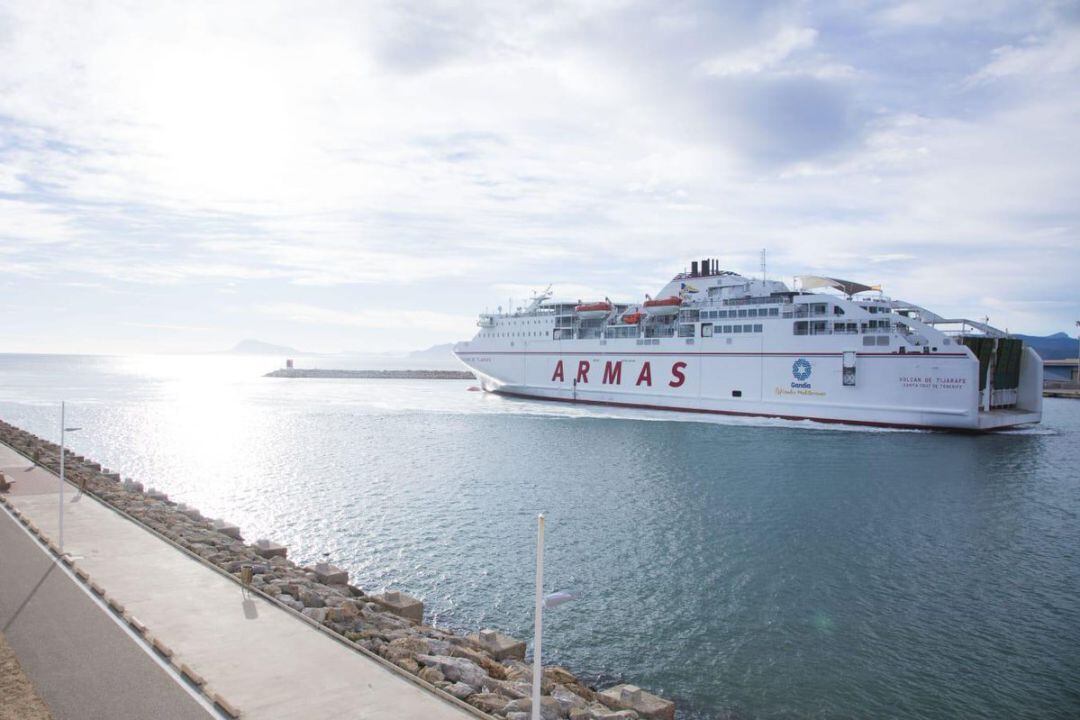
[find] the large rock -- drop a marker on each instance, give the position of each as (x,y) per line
(316,614)
(411,646)
(290,601)
(408,664)
(492,668)
(330,574)
(374,615)
(487,702)
(596,711)
(567,699)
(312,599)
(455,669)
(518,671)
(508,689)
(461,690)
(631,697)
(432,675)
(342,613)
(267,549)
(499,646)
(559,675)
(549,707)
(401,605)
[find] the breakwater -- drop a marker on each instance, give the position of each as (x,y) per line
(485,669)
(372,374)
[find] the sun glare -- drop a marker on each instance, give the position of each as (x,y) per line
(220,122)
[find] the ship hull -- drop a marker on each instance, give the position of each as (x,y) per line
(885,389)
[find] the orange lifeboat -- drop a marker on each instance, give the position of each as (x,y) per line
(594,310)
(662,307)
(632,318)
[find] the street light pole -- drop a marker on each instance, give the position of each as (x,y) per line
(62,478)
(538,670)
(63,430)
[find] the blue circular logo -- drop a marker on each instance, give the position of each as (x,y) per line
(801,369)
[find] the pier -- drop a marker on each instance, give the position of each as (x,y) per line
(253,657)
(256,635)
(1058,386)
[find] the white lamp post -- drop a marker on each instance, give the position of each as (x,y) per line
(542,602)
(63,431)
(538,671)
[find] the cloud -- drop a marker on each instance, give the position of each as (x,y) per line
(784,120)
(369,318)
(1055,55)
(764,56)
(332,155)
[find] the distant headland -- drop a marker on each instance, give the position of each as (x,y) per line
(372,374)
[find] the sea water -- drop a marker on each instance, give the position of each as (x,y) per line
(745,568)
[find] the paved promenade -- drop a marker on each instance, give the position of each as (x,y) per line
(261,659)
(82,663)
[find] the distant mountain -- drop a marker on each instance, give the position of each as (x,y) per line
(256,347)
(1052,347)
(435,351)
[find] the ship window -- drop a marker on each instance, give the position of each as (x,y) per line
(868,340)
(736,393)
(738,328)
(742,313)
(773,312)
(727,328)
(753,312)
(757,328)
(747,328)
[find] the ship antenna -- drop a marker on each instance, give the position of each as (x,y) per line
(762,264)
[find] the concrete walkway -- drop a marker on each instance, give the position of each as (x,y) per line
(83,664)
(261,659)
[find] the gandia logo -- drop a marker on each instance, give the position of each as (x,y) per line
(801,369)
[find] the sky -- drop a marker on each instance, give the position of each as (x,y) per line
(342,176)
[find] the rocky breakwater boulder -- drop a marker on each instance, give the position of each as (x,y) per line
(645,704)
(498,645)
(401,605)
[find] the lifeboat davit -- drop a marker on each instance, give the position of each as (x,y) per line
(593,311)
(663,307)
(632,318)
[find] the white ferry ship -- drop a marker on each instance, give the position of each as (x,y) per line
(713,341)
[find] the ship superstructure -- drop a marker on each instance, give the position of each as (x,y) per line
(714,341)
